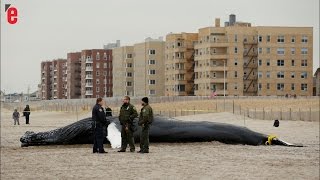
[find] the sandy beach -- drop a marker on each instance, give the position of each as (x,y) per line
(209,160)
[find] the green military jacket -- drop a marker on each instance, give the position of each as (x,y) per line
(127,114)
(146,115)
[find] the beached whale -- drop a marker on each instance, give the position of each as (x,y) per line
(163,129)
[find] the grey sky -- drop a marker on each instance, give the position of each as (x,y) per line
(49,29)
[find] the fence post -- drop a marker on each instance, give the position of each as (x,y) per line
(194,110)
(255,113)
(263,113)
(310,114)
(290,116)
(299,114)
(281,113)
(233,106)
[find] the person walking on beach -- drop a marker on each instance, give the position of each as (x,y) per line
(16,116)
(127,114)
(26,113)
(145,120)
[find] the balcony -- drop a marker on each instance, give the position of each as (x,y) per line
(89,68)
(89,85)
(89,60)
(218,55)
(89,76)
(89,93)
(218,80)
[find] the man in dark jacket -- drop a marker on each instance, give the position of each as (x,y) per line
(99,123)
(26,113)
(145,120)
(127,114)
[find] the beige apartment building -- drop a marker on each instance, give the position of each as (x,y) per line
(96,73)
(73,75)
(179,64)
(139,69)
(53,79)
(242,60)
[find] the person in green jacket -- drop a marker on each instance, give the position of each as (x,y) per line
(127,114)
(145,120)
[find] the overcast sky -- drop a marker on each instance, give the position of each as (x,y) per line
(49,29)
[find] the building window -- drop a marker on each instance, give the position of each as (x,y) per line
(268,50)
(304,75)
(180,76)
(152,51)
(151,71)
(260,38)
(268,38)
(97,65)
(260,62)
(292,87)
(268,74)
(151,61)
(181,87)
(280,62)
(98,56)
(259,86)
(304,39)
(304,87)
(259,74)
(293,39)
(236,62)
(293,51)
(293,74)
(280,86)
(304,62)
(292,62)
(280,75)
(152,92)
(129,65)
(235,74)
(268,62)
(235,50)
(235,38)
(260,50)
(280,51)
(97,81)
(129,74)
(128,56)
(280,39)
(268,85)
(304,51)
(98,73)
(152,81)
(97,89)
(105,65)
(236,86)
(128,83)
(105,56)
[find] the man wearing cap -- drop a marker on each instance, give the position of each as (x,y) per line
(145,120)
(127,114)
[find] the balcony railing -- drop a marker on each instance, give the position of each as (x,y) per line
(89,85)
(89,93)
(89,76)
(89,60)
(89,68)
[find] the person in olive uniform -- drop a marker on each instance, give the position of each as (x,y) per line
(127,114)
(99,124)
(145,120)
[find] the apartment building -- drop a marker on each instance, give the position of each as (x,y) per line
(53,79)
(316,83)
(73,75)
(179,64)
(140,69)
(96,73)
(242,60)
(123,80)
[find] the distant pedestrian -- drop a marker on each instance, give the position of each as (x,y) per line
(26,113)
(16,116)
(108,111)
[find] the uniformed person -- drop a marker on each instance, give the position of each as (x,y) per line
(127,114)
(99,124)
(145,120)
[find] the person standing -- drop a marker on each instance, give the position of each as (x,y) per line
(26,113)
(16,116)
(145,120)
(127,114)
(99,123)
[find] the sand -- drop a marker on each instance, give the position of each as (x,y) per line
(209,160)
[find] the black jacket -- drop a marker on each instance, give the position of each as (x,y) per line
(99,116)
